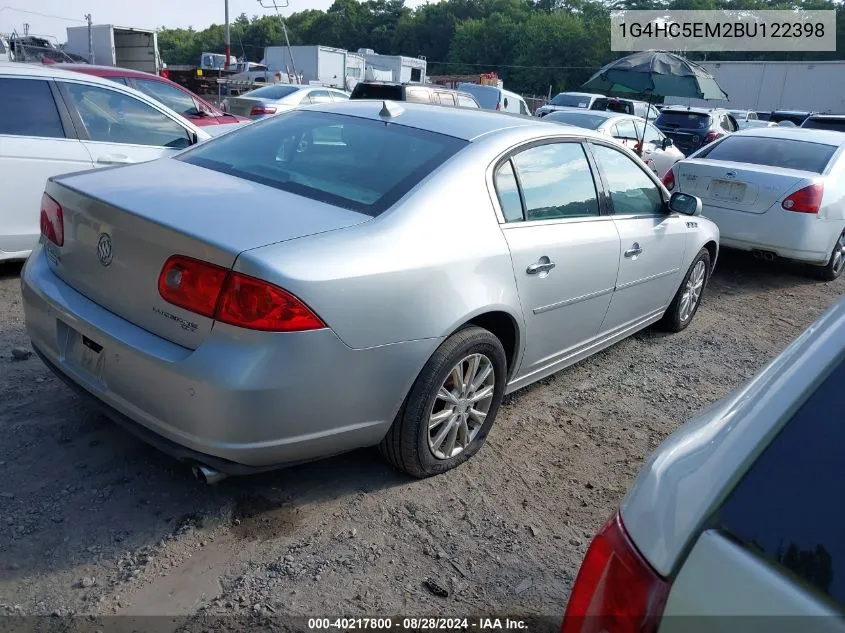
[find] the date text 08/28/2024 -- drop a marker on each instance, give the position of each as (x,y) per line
(415,624)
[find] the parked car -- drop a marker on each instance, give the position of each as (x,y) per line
(567,100)
(626,106)
(543,264)
(693,128)
(276,98)
(833,122)
(774,191)
(178,98)
(659,153)
(795,117)
(730,525)
(744,118)
(493,98)
(417,93)
(763,116)
(54,121)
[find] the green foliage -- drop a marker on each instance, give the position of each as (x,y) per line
(532,44)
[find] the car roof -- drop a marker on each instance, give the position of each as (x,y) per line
(826,137)
(680,108)
(52,70)
(828,117)
(107,71)
(791,112)
(581,94)
(466,124)
(604,114)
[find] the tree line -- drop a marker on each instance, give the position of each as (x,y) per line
(533,45)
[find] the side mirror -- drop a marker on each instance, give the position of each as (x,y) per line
(685,204)
(667,142)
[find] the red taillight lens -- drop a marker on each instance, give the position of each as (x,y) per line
(669,180)
(191,284)
(52,220)
(616,589)
(806,200)
(712,136)
(258,305)
(233,298)
(258,110)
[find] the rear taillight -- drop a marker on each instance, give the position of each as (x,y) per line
(251,303)
(259,110)
(669,180)
(191,284)
(616,589)
(806,200)
(233,298)
(164,73)
(712,136)
(52,220)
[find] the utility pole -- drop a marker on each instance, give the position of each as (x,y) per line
(277,6)
(228,49)
(25,29)
(90,38)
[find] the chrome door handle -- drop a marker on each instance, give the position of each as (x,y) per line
(538,268)
(633,251)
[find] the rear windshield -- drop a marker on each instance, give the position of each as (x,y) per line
(788,507)
(487,96)
(566,100)
(578,119)
(685,120)
(772,152)
(349,162)
(272,92)
(834,125)
(377,91)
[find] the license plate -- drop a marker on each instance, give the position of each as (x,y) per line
(84,354)
(727,190)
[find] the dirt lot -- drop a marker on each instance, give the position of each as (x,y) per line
(94,522)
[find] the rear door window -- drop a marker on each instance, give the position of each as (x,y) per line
(508,192)
(445,98)
(466,102)
(27,108)
(631,191)
(349,162)
(788,508)
(319,96)
(772,152)
(626,129)
(174,98)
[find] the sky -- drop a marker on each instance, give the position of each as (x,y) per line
(136,13)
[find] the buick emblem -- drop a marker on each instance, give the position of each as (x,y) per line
(104,252)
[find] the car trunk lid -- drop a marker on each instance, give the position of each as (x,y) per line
(738,186)
(242,106)
(121,225)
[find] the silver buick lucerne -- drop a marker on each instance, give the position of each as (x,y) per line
(354,274)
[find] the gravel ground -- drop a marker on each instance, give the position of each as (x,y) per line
(94,522)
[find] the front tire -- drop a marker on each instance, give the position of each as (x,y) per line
(680,312)
(451,407)
(836,263)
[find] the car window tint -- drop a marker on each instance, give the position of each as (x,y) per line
(556,182)
(175,99)
(339,96)
(788,507)
(27,108)
(631,191)
(114,117)
(579,119)
(685,120)
(653,135)
(466,102)
(417,95)
(444,98)
(272,92)
(772,152)
(626,129)
(508,192)
(349,162)
(320,96)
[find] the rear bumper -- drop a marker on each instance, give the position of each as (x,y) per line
(799,236)
(242,401)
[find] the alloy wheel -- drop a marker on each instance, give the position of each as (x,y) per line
(838,260)
(692,291)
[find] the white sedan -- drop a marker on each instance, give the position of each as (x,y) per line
(55,121)
(777,192)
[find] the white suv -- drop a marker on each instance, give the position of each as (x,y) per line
(739,512)
(54,121)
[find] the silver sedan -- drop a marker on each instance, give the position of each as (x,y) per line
(277,98)
(356,274)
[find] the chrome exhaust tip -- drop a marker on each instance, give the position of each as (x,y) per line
(207,475)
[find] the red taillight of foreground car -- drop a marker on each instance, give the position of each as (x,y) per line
(233,298)
(712,136)
(259,110)
(52,220)
(616,589)
(806,200)
(669,180)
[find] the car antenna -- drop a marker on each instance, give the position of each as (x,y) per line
(390,109)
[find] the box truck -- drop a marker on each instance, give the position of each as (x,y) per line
(117,46)
(319,64)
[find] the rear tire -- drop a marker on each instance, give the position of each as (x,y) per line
(449,402)
(679,314)
(836,263)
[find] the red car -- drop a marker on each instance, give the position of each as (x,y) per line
(179,99)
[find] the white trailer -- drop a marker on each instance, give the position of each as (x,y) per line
(400,68)
(321,64)
(766,86)
(117,46)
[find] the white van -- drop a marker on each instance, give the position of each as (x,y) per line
(493,98)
